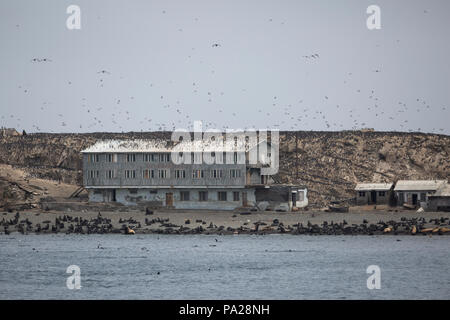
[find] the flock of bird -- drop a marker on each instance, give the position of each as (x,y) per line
(324,112)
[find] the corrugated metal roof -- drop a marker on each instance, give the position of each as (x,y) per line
(142,146)
(373,186)
(443,191)
(418,185)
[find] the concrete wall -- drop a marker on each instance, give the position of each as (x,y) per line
(438,204)
(407,196)
(366,198)
(157,197)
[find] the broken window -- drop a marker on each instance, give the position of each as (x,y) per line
(130,174)
(93,174)
(235,173)
(180,174)
(110,174)
(93,158)
(216,173)
(146,174)
(198,174)
(163,173)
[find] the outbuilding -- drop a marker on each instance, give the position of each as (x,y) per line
(440,201)
(416,192)
(373,193)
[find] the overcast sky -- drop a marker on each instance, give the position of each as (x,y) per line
(149,65)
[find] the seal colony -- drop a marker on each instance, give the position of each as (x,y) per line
(223,223)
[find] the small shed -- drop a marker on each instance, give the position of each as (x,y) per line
(373,193)
(416,192)
(440,200)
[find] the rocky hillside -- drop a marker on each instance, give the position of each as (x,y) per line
(328,163)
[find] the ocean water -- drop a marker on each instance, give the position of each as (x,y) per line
(224,267)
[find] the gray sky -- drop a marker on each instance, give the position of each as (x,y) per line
(164,71)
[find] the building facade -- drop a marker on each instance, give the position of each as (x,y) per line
(416,192)
(373,193)
(142,172)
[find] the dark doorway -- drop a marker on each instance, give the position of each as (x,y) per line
(373,197)
(114,195)
(414,198)
(294,199)
(244,199)
(169,199)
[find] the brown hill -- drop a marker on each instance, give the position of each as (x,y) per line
(328,163)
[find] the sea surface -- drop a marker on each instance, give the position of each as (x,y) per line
(223,267)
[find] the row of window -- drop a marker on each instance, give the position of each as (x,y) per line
(380,193)
(203,195)
(165,174)
(151,157)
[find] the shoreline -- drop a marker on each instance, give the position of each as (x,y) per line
(380,222)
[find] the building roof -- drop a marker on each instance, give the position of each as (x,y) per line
(365,186)
(443,191)
(419,185)
(153,145)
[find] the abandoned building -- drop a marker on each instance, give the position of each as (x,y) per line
(440,200)
(373,193)
(141,172)
(416,192)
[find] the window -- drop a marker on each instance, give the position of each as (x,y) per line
(133,191)
(381,193)
(235,157)
(93,174)
(111,157)
(146,173)
(216,173)
(184,195)
(203,195)
(131,157)
(147,157)
(130,174)
(163,173)
(153,191)
(423,196)
(362,193)
(222,195)
(110,174)
(180,174)
(93,158)
(235,173)
(197,174)
(164,157)
(236,196)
